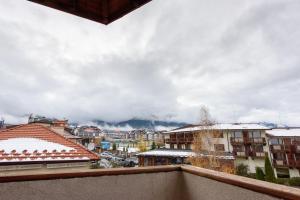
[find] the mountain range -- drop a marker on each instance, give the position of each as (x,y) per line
(140,124)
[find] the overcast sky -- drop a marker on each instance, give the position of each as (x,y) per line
(240,58)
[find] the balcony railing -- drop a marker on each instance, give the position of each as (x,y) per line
(297,148)
(240,154)
(259,154)
(179,140)
(257,140)
(147,183)
(280,163)
(282,147)
(276,147)
(234,140)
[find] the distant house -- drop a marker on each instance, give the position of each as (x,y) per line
(32,146)
(59,126)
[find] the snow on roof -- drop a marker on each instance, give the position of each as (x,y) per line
(31,145)
(293,132)
(177,153)
(229,126)
(34,142)
(44,159)
(173,153)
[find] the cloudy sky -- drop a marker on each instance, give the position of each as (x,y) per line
(240,58)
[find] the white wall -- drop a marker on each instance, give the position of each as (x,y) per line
(294,173)
(252,164)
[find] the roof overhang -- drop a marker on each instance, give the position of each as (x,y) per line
(103,11)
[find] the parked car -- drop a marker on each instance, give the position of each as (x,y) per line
(105,163)
(106,155)
(131,162)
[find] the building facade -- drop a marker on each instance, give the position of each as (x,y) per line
(284,150)
(249,144)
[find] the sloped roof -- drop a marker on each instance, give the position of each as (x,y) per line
(103,11)
(222,126)
(33,142)
(288,132)
(181,153)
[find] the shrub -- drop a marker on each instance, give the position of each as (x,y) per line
(114,147)
(294,181)
(282,181)
(252,175)
(270,176)
(153,146)
(95,165)
(259,174)
(242,170)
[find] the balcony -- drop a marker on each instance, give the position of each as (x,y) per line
(161,183)
(240,154)
(179,140)
(281,148)
(236,140)
(297,148)
(258,154)
(297,163)
(280,163)
(257,140)
(276,147)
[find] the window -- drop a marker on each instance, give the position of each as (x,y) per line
(279,156)
(219,147)
(275,141)
(171,146)
(188,146)
(255,134)
(240,148)
(297,156)
(238,134)
(217,134)
(258,148)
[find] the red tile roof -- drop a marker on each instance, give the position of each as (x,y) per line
(32,132)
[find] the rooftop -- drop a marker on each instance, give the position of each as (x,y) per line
(178,153)
(284,132)
(222,126)
(36,143)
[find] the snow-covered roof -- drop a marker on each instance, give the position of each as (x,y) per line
(225,126)
(178,153)
(292,132)
(31,145)
(172,153)
(34,142)
(46,159)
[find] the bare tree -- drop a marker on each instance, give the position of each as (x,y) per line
(203,145)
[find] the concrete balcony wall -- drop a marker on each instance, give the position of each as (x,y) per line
(159,183)
(165,185)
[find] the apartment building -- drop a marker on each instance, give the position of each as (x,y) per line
(284,150)
(244,142)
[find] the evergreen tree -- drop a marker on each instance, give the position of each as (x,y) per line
(153,146)
(270,176)
(114,147)
(259,174)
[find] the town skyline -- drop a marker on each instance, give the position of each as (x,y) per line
(238,60)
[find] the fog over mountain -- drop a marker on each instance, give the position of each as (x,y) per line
(163,62)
